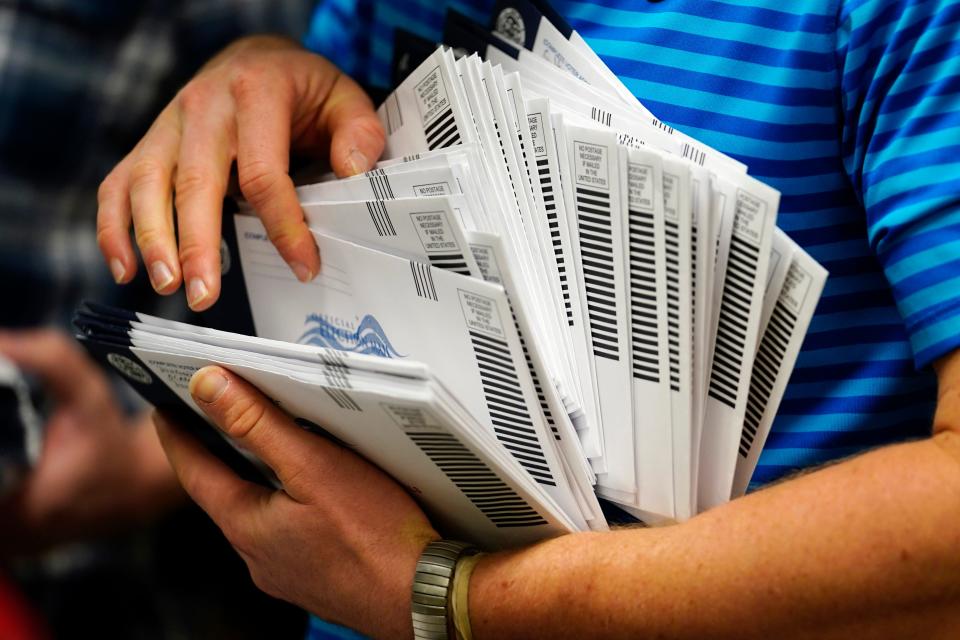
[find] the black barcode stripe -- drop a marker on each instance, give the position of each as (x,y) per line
(423,280)
(643,315)
(672,244)
(450,262)
(335,374)
(596,251)
(380,184)
(662,126)
(541,398)
(732,324)
(693,154)
(693,284)
(381,218)
(599,115)
(506,405)
(439,124)
(766,368)
(343,399)
(503,506)
(546,186)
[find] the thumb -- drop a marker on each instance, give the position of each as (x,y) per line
(356,135)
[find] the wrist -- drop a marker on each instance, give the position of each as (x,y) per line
(436,586)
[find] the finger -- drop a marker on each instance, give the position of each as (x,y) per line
(264,112)
(203,169)
(357,137)
(151,203)
(232,502)
(113,223)
(255,423)
(64,369)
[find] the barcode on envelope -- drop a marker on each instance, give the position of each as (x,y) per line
(735,303)
(643,298)
(423,280)
(766,368)
(663,127)
(503,506)
(380,184)
(541,397)
(672,244)
(342,399)
(596,254)
(694,154)
(381,218)
(550,204)
(507,406)
(450,262)
(599,115)
(442,132)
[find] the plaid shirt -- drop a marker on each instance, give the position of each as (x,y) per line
(80,83)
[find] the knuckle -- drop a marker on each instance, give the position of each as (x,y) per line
(284,237)
(258,180)
(195,96)
(372,127)
(243,417)
(147,172)
(192,180)
(149,236)
(192,254)
(105,236)
(109,189)
(247,79)
(237,537)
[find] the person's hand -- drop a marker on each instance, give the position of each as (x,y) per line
(341,540)
(252,103)
(97,472)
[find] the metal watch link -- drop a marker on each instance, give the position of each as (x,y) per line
(431,588)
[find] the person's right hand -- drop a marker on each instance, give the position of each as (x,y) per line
(252,103)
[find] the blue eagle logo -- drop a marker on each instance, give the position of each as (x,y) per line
(369,337)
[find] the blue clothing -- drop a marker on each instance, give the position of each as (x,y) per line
(851,109)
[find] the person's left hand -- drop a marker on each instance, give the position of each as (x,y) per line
(341,540)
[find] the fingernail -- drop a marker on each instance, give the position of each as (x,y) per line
(303,273)
(357,162)
(161,275)
(197,291)
(207,385)
(117,269)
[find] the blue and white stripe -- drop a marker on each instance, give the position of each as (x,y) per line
(851,108)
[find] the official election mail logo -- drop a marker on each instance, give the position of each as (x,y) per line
(366,337)
(129,368)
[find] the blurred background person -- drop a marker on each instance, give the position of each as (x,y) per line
(80,83)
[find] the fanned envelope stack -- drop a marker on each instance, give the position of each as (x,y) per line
(542,300)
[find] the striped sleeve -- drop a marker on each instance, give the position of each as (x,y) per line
(899,65)
(337,32)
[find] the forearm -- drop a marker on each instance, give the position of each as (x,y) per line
(867,546)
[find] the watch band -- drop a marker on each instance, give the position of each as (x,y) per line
(431,588)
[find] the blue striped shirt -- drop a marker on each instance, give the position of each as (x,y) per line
(851,109)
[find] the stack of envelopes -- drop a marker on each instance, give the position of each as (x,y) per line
(543,296)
